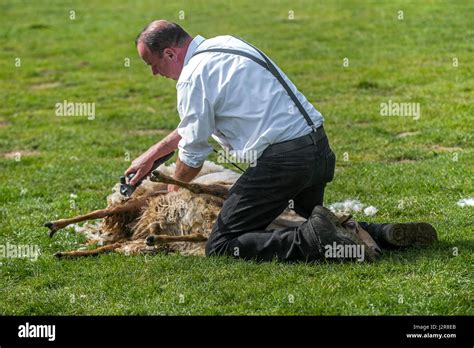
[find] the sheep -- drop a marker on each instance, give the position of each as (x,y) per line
(154,220)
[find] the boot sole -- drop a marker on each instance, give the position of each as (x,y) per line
(415,233)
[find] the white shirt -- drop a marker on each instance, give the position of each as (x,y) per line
(236,101)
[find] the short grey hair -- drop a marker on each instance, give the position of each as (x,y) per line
(157,38)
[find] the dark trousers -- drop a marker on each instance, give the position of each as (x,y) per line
(280,179)
(375,231)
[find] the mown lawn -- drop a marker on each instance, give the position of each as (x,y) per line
(409,169)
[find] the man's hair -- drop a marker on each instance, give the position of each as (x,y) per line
(157,38)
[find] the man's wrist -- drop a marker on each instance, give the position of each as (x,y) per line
(165,146)
(157,151)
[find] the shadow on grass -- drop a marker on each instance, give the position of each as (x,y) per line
(439,251)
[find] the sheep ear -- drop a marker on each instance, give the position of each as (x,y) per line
(343,218)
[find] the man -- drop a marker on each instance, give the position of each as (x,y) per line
(228,89)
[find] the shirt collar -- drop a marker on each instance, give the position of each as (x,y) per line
(192,48)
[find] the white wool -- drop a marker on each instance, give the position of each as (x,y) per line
(226,177)
(370,211)
(211,167)
(167,170)
(134,247)
(148,185)
(352,205)
(348,206)
(91,231)
(76,228)
(210,173)
(207,168)
(116,197)
(466,202)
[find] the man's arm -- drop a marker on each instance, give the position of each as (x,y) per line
(184,173)
(142,165)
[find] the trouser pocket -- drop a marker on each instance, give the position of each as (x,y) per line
(325,166)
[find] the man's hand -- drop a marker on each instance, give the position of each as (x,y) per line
(142,165)
(173,188)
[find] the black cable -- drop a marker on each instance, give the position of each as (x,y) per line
(235,165)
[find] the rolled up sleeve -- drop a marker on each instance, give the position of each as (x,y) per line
(197,124)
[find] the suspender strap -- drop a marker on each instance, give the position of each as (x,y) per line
(267,64)
(236,52)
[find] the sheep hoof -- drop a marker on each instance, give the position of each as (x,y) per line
(58,254)
(52,228)
(150,240)
(155,175)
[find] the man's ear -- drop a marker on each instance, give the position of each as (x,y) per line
(170,53)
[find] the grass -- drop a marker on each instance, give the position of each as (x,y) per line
(411,178)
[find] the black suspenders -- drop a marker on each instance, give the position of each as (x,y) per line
(267,64)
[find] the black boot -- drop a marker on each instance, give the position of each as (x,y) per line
(400,235)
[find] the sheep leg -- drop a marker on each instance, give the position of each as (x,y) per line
(163,239)
(213,190)
(128,206)
(93,252)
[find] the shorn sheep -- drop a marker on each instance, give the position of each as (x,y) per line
(154,220)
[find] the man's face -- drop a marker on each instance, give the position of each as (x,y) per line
(166,66)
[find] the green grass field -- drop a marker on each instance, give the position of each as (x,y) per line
(411,170)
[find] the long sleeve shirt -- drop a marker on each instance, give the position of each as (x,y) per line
(236,101)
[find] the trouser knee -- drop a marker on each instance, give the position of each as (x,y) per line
(215,246)
(210,248)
